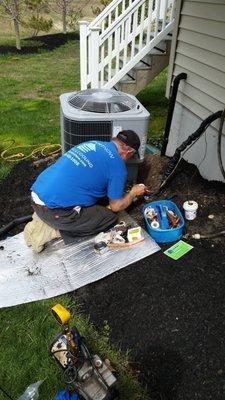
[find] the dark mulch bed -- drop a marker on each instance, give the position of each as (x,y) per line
(170,314)
(36,44)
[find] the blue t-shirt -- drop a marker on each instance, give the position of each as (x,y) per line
(84,174)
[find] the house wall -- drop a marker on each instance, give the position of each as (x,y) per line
(198,49)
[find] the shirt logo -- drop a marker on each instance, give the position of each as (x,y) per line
(87,147)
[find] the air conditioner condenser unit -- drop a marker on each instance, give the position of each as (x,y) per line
(100,114)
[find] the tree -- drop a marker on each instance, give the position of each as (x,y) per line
(12,9)
(62,7)
(69,11)
(37,22)
(73,17)
(97,10)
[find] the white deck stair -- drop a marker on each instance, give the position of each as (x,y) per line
(127,45)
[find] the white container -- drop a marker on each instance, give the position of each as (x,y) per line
(134,234)
(190,208)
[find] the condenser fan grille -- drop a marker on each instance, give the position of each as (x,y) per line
(95,107)
(102,101)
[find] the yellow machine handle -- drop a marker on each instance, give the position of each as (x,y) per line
(61,314)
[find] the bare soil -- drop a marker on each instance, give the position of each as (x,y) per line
(169,314)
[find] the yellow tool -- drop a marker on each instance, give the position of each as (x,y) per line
(61,314)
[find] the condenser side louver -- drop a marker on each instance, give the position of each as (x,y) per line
(76,132)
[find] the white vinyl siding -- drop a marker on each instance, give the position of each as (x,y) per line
(200,52)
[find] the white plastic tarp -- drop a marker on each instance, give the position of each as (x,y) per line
(26,276)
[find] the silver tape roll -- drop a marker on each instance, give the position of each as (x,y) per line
(155,224)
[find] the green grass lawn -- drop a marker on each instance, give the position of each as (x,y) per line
(31,85)
(30,88)
(29,98)
(29,113)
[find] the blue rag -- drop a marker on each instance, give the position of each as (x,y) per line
(65,395)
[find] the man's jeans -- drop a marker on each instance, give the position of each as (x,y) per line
(71,223)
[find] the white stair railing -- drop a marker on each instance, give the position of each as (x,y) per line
(126,30)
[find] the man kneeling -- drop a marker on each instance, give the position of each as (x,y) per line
(64,196)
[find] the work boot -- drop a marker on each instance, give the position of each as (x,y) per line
(37,233)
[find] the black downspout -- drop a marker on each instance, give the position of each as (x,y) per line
(173,97)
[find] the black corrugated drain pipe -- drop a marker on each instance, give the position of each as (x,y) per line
(5,229)
(174,161)
(185,146)
(172,101)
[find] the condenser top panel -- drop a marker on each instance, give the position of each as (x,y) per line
(102,101)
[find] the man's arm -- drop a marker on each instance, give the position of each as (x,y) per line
(126,200)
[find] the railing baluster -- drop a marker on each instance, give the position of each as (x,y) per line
(128,35)
(116,12)
(126,41)
(102,64)
(122,32)
(173,8)
(94,54)
(134,33)
(83,54)
(102,55)
(89,56)
(149,28)
(117,45)
(157,9)
(103,25)
(164,3)
(142,26)
(110,57)
(161,9)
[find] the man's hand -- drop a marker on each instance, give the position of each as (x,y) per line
(121,204)
(138,190)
